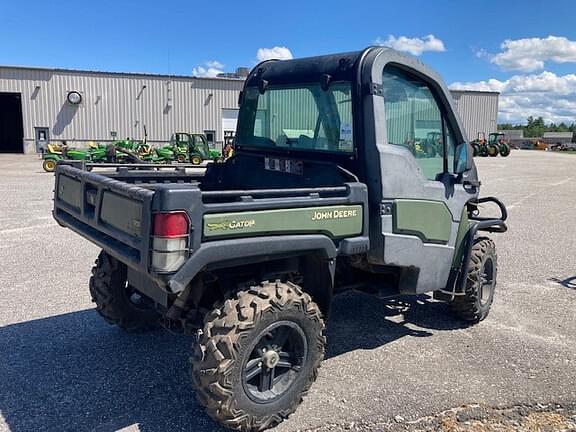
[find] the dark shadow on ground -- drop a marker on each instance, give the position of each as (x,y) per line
(567,283)
(73,372)
(361,321)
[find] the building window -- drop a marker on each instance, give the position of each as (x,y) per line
(210,136)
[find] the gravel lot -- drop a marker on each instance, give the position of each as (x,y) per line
(62,368)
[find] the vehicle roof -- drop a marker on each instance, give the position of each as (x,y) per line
(339,66)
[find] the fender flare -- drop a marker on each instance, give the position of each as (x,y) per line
(255,248)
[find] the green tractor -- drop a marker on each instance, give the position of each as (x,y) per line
(55,153)
(484,148)
(498,139)
(433,144)
(192,148)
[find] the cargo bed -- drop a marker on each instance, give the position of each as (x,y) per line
(115,208)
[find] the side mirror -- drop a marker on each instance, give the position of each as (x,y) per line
(462,159)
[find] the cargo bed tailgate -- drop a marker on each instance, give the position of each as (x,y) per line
(113,214)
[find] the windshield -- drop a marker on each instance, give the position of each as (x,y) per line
(201,145)
(297,118)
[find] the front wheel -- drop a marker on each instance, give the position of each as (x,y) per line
(49,165)
(258,355)
(181,158)
(196,160)
(475,304)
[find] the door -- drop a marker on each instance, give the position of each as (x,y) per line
(423,199)
(42,138)
(11,124)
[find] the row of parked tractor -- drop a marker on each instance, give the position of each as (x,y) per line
(183,148)
(495,145)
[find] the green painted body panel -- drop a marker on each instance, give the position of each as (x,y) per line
(52,156)
(335,221)
(462,230)
(431,221)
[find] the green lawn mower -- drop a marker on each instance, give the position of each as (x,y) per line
(95,153)
(55,153)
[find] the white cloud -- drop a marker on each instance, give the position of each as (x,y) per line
(415,46)
(280,53)
(530,54)
(544,95)
(210,69)
(214,64)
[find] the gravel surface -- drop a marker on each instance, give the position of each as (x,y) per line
(63,368)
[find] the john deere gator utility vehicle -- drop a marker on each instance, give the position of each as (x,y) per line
(323,195)
(192,148)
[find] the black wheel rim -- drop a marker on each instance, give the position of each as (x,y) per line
(486,281)
(275,361)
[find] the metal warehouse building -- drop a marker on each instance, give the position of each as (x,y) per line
(39,105)
(478,111)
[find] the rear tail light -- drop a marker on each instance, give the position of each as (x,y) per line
(170,241)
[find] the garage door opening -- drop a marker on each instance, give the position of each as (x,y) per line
(11,126)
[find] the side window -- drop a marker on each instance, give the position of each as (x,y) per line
(414,120)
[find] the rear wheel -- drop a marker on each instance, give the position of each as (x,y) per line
(49,165)
(258,355)
(475,304)
(181,158)
(504,150)
(196,160)
(116,301)
(475,149)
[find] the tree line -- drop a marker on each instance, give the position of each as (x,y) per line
(535,127)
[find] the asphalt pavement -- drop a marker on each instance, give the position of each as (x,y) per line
(62,368)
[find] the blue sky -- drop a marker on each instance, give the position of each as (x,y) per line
(462,40)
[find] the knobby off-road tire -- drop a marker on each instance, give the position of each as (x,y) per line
(225,358)
(504,150)
(475,150)
(493,150)
(115,301)
(475,305)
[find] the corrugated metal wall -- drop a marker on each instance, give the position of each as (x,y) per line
(478,111)
(122,103)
